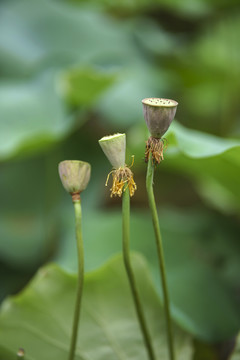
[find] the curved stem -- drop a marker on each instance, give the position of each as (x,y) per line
(78,224)
(127,262)
(152,204)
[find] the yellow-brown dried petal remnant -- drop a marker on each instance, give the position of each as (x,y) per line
(122,178)
(155,147)
(132,186)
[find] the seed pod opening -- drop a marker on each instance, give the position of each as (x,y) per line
(158,114)
(114,147)
(75,175)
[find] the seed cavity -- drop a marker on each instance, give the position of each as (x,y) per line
(159,102)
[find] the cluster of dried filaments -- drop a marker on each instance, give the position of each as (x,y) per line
(122,178)
(155,147)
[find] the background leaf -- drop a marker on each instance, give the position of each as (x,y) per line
(81,86)
(189,264)
(39,319)
(196,144)
(25,122)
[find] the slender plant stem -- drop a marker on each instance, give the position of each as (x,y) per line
(78,224)
(132,282)
(152,204)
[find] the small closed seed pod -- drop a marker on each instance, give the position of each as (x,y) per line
(114,147)
(75,175)
(158,114)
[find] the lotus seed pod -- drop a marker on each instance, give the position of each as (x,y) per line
(114,147)
(75,175)
(158,114)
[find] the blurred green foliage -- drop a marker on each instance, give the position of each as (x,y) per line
(107,312)
(74,71)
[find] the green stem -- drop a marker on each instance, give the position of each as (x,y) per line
(78,224)
(127,262)
(152,204)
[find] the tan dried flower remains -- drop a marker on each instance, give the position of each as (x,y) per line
(122,179)
(155,147)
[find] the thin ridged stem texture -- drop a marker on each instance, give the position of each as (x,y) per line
(129,270)
(152,204)
(78,225)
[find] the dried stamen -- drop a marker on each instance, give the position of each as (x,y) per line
(155,147)
(122,178)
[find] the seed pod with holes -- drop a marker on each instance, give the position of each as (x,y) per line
(114,147)
(75,175)
(158,114)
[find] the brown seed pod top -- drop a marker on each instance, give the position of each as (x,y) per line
(158,114)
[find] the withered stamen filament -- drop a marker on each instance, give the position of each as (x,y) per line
(155,147)
(122,176)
